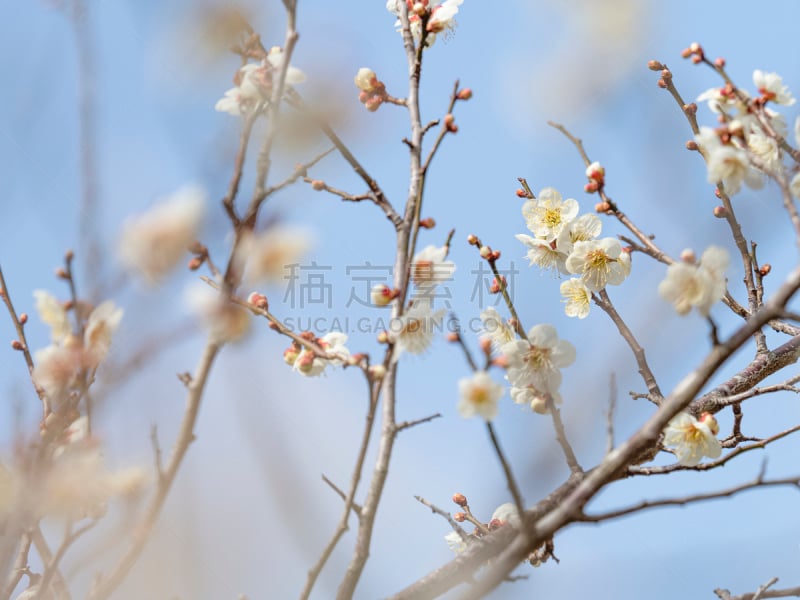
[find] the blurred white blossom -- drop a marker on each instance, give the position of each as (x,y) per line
(692,439)
(699,285)
(479,395)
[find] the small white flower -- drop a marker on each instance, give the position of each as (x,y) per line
(414,331)
(577,298)
(538,362)
(693,439)
(597,264)
(771,86)
(224,320)
(155,242)
(765,148)
(56,368)
(496,328)
(727,163)
(429,267)
(584,228)
(687,285)
(365,79)
(269,256)
(381,294)
(455,543)
(536,399)
(101,325)
(545,255)
(255,84)
(333,343)
(442,16)
(479,395)
(52,313)
(507,514)
(720,102)
(548,215)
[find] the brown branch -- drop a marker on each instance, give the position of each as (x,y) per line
(409,424)
(51,568)
(443,513)
(238,167)
(43,549)
(443,131)
(762,593)
(510,479)
(612,403)
(561,436)
(20,563)
(732,491)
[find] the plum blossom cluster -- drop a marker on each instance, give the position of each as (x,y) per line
(700,285)
(415,329)
(372,91)
(567,243)
(439,19)
(76,484)
(691,439)
(59,365)
(253,84)
(505,514)
(308,362)
(744,146)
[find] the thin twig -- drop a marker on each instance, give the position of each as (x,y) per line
(510,480)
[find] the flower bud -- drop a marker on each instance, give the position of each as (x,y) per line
(709,420)
(258,300)
(691,145)
(305,362)
(719,62)
(720,212)
(428,223)
(485,251)
(290,355)
(365,79)
(383,337)
(452,337)
(602,207)
(317,185)
(459,517)
(464,94)
(195,263)
(486,345)
(688,256)
(472,239)
(61,273)
(765,269)
(382,294)
(654,65)
(460,499)
(521,193)
(377,372)
(23,318)
(17,345)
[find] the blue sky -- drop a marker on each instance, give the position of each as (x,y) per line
(250,500)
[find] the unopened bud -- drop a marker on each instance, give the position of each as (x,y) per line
(500,361)
(485,251)
(382,294)
(692,145)
(452,337)
(23,318)
(709,420)
(694,47)
(317,185)
(61,273)
(486,345)
(377,372)
(460,499)
(365,79)
(496,286)
(197,248)
(697,59)
(464,94)
(419,9)
(690,109)
(686,53)
(591,187)
(720,212)
(69,255)
(521,193)
(472,239)
(719,62)
(427,223)
(602,207)
(290,355)
(17,345)
(688,256)
(373,103)
(666,74)
(258,300)
(662,84)
(654,65)
(459,517)
(765,269)
(195,263)
(305,361)
(383,337)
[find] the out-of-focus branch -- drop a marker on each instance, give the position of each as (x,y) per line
(762,593)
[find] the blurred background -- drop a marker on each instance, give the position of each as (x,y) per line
(250,513)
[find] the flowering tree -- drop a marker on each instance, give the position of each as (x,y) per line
(57,488)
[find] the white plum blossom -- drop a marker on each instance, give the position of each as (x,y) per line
(429,267)
(538,361)
(584,228)
(56,368)
(441,18)
(269,256)
(727,163)
(455,542)
(545,255)
(100,326)
(333,343)
(577,298)
(766,149)
(365,79)
(534,398)
(548,215)
(597,263)
(770,85)
(496,328)
(414,331)
(719,100)
(53,313)
(153,243)
(479,395)
(254,84)
(699,285)
(381,294)
(507,514)
(224,320)
(693,439)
